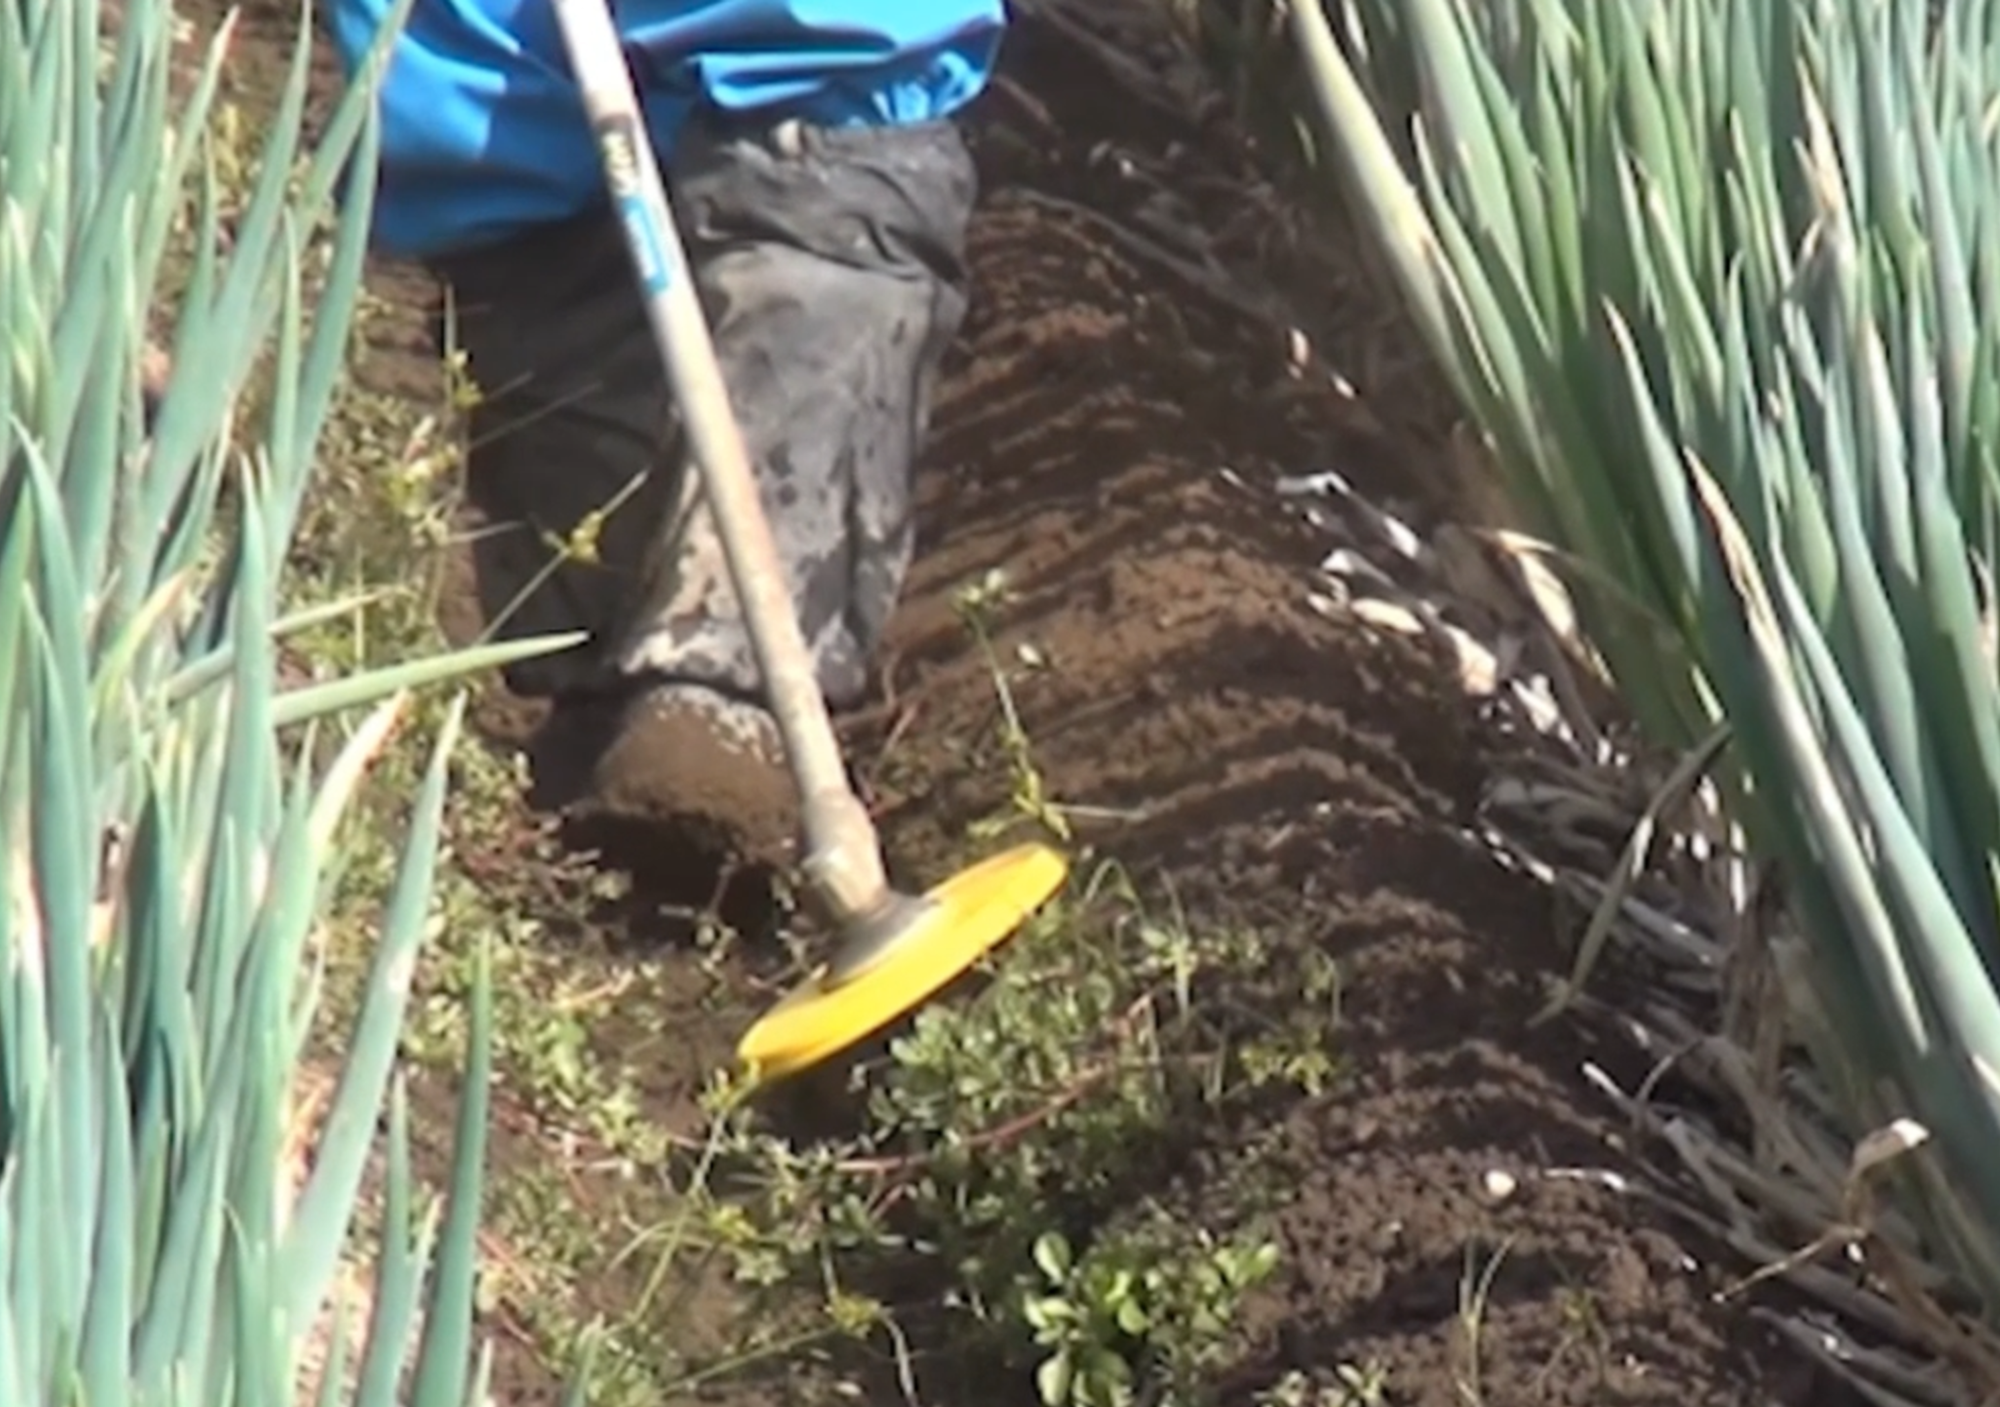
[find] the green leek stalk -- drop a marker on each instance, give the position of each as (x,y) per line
(1719,281)
(166,822)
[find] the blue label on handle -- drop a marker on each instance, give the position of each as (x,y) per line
(645,241)
(642,232)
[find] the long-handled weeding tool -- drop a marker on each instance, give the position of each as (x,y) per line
(894,951)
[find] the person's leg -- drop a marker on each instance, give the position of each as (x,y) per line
(831,268)
(830,264)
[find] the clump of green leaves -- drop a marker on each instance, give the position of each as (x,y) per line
(168,816)
(1161,1299)
(1008,1156)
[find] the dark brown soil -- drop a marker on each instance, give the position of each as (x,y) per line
(1108,438)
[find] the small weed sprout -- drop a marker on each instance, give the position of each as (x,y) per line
(1475,1296)
(978,604)
(1123,1304)
(1365,1385)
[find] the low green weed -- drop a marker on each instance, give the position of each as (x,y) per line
(1009,1158)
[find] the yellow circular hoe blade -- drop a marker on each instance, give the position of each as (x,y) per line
(953,926)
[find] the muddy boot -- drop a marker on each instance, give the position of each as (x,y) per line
(702,766)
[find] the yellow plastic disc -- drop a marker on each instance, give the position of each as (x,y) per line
(949,929)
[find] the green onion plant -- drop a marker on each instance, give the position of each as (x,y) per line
(169,815)
(1719,281)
